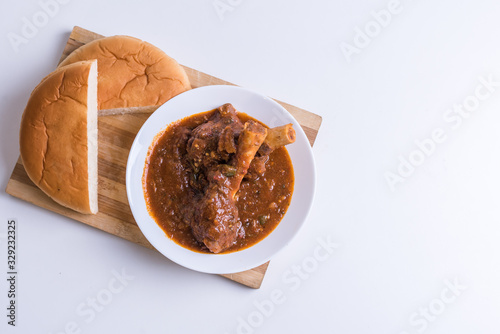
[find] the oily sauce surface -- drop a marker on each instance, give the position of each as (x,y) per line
(261,202)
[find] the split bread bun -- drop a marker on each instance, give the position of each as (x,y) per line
(134,76)
(58,136)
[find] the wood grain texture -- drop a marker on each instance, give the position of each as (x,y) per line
(116,135)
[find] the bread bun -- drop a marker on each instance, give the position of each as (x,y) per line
(133,75)
(58,136)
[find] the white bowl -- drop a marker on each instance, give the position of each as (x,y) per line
(258,106)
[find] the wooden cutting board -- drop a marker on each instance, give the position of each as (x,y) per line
(116,134)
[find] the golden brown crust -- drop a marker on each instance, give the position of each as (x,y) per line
(53,136)
(132,73)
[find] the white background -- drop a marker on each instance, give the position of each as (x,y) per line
(396,249)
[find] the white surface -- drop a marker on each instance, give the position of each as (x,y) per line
(397,251)
(255,105)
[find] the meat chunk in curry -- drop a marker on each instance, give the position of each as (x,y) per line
(215,221)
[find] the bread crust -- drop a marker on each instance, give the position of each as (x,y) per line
(53,136)
(132,73)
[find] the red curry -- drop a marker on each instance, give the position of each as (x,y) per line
(186,163)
